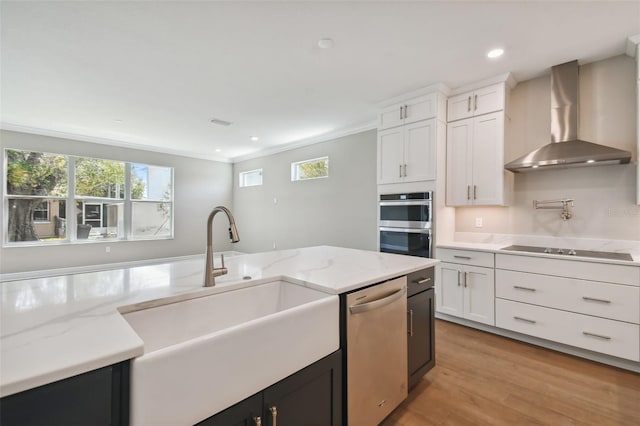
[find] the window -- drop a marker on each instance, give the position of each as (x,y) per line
(310,169)
(41,212)
(93,199)
(250,178)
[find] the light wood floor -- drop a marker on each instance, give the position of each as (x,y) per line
(481,378)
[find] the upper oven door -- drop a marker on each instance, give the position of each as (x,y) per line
(406,214)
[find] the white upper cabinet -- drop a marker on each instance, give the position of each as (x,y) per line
(409,134)
(475,148)
(481,101)
(475,172)
(413,110)
(407,153)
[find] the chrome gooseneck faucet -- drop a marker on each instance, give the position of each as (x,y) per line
(210,273)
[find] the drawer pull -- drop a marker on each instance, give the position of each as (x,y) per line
(461,257)
(524,288)
(426,280)
(593,299)
(524,320)
(599,336)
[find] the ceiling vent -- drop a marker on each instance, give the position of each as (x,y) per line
(221,122)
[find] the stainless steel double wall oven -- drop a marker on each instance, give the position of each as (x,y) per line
(406,223)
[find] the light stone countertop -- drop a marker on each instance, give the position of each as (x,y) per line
(496,242)
(56,327)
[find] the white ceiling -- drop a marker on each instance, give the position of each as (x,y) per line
(166,68)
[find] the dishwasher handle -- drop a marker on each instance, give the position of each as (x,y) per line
(365,307)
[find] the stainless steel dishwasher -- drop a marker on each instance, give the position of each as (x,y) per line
(376,351)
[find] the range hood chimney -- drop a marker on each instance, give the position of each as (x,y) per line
(565,149)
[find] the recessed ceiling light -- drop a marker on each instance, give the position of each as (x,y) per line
(255,138)
(495,53)
(325,43)
(218,150)
(591,161)
(118,121)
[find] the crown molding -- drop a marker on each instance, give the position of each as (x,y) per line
(110,142)
(305,142)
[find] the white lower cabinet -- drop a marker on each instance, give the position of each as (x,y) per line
(589,305)
(466,291)
(602,335)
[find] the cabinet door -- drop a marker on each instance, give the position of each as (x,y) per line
(460,106)
(488,159)
(421,338)
(420,151)
(391,117)
(488,99)
(390,155)
(245,413)
(310,397)
(449,290)
(420,109)
(479,294)
(459,162)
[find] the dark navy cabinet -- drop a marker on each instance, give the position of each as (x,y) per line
(310,397)
(420,324)
(96,398)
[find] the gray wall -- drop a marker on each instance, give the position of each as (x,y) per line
(605,204)
(200,185)
(338,210)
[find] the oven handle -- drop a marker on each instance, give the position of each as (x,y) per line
(407,230)
(405,203)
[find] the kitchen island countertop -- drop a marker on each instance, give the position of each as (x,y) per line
(60,326)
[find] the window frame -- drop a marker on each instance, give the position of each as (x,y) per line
(71,198)
(241,178)
(295,174)
(48,210)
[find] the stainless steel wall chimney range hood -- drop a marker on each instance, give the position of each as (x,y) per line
(565,149)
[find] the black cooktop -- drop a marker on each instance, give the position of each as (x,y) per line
(571,252)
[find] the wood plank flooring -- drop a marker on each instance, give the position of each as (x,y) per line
(484,379)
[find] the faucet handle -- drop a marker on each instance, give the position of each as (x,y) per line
(222,259)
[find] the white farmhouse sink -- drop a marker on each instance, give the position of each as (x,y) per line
(203,355)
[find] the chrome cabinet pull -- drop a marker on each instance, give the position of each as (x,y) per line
(459,278)
(274,415)
(426,280)
(524,288)
(474,192)
(400,171)
(469,104)
(524,320)
(461,257)
(468,192)
(257,421)
(475,103)
(411,322)
(465,279)
(593,299)
(406,111)
(405,170)
(401,112)
(599,336)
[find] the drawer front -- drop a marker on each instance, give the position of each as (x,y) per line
(606,336)
(466,257)
(420,281)
(605,272)
(613,301)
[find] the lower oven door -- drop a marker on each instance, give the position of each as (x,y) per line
(414,242)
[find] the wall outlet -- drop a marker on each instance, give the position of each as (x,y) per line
(274,245)
(478,222)
(107,249)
